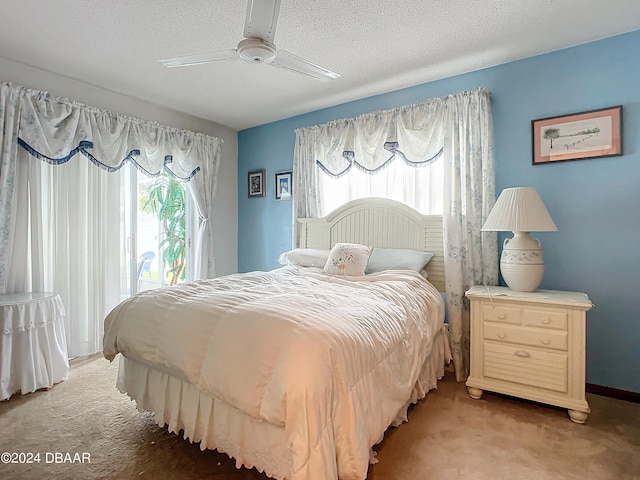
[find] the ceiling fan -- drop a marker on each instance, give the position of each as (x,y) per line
(258,47)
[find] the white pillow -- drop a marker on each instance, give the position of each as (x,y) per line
(397,259)
(304,257)
(348,259)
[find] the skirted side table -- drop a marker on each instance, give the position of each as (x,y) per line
(33,348)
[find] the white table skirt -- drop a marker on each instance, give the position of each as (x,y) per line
(33,349)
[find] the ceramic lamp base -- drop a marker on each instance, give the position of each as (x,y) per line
(522,262)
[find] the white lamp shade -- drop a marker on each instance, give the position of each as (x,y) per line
(519,209)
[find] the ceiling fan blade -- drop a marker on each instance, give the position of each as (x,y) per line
(293,63)
(262,18)
(200,58)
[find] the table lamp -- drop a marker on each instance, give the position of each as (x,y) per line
(521,211)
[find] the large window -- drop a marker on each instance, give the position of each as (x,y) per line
(68,220)
(396,154)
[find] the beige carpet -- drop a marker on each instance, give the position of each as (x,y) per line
(449,436)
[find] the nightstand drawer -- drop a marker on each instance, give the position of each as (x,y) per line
(541,369)
(545,319)
(499,313)
(536,337)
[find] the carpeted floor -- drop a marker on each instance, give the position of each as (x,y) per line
(449,436)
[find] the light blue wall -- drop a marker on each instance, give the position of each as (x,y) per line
(595,203)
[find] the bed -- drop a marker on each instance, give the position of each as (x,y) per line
(295,372)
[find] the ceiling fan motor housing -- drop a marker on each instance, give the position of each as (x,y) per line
(256,50)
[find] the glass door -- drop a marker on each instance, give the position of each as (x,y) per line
(154,239)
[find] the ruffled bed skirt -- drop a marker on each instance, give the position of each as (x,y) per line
(218,426)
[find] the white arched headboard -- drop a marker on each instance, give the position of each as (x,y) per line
(379,222)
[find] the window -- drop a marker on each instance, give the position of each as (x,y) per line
(419,187)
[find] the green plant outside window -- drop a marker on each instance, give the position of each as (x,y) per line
(166,199)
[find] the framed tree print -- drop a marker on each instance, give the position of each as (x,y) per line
(592,134)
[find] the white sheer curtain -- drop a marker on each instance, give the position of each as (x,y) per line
(419,187)
(203,190)
(67,243)
(59,214)
(437,157)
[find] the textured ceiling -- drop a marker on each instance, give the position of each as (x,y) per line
(376,46)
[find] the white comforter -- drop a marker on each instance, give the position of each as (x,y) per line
(330,359)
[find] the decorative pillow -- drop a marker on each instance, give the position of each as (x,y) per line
(304,257)
(348,259)
(397,259)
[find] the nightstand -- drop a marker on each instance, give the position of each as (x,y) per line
(530,345)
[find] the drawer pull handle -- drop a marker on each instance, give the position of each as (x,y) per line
(522,353)
(545,341)
(501,335)
(545,320)
(502,316)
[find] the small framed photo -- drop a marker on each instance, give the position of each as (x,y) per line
(256,184)
(592,134)
(284,185)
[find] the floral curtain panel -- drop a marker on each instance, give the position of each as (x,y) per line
(9,126)
(471,257)
(380,154)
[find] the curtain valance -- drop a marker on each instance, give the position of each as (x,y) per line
(370,142)
(55,129)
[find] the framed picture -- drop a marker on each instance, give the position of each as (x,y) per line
(256,183)
(592,134)
(284,185)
